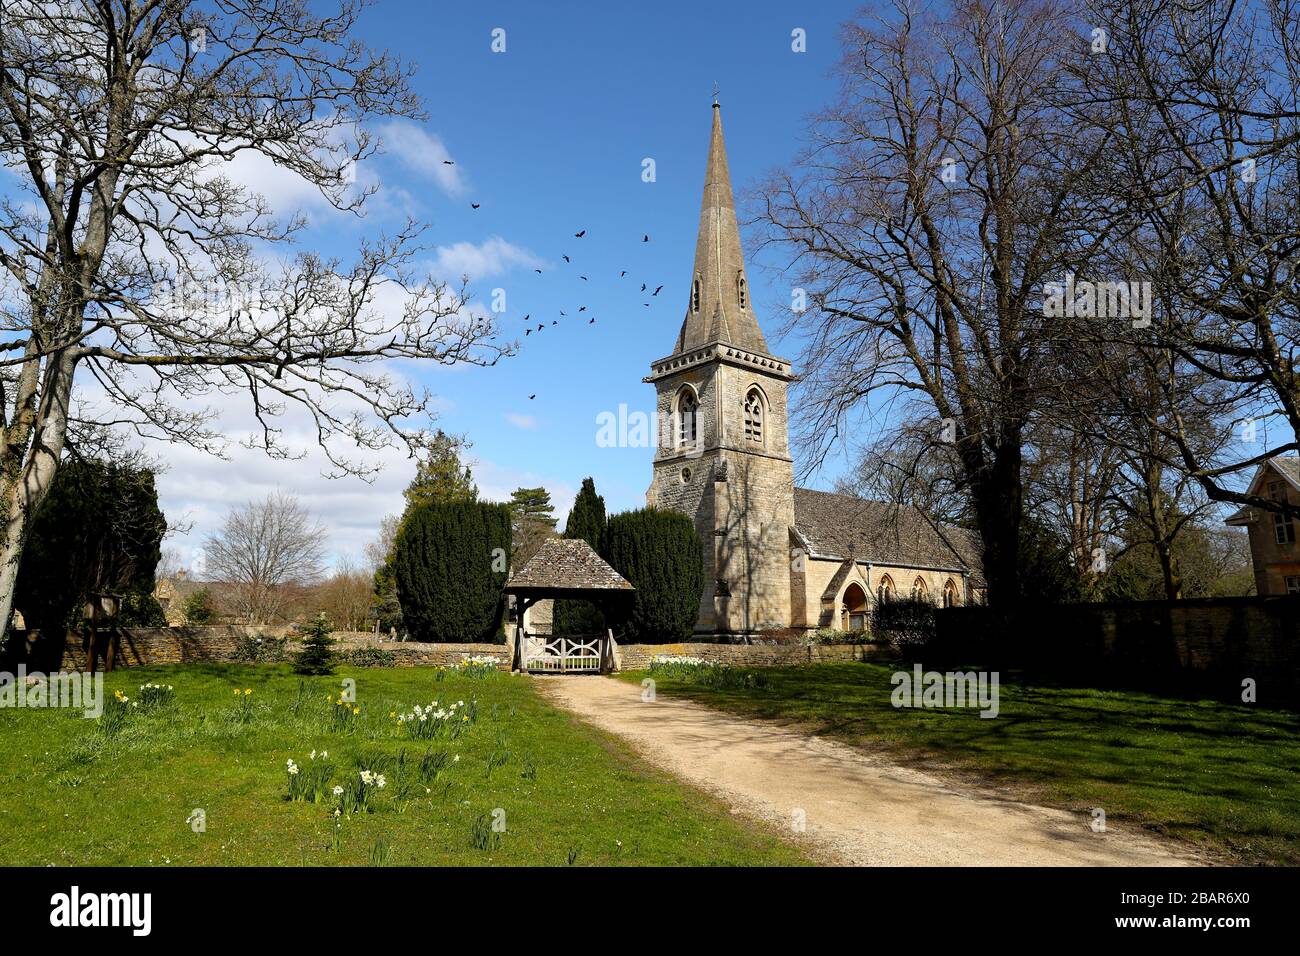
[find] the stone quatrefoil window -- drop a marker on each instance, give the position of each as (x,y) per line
(687,418)
(754,417)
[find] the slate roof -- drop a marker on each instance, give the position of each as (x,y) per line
(1287,466)
(563,564)
(841,526)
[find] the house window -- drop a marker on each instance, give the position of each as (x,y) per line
(754,417)
(1283,526)
(1292,585)
(687,415)
(740,288)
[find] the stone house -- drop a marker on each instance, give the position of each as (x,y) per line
(776,557)
(1273,550)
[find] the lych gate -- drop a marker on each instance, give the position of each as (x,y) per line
(567,569)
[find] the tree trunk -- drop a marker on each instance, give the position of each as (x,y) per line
(24,492)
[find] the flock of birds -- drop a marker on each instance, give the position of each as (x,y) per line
(591,320)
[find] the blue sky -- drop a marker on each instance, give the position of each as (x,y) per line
(549,138)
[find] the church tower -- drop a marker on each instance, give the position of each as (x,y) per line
(723,455)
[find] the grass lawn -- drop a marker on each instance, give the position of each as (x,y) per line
(76,794)
(1224,777)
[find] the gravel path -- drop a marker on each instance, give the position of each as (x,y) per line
(857,808)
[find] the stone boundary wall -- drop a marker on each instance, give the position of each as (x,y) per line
(634,657)
(1201,645)
(187,645)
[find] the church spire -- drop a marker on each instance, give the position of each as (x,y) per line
(719,308)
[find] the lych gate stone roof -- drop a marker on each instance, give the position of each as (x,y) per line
(564,564)
(842,526)
(719,265)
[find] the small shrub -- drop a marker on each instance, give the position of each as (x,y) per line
(908,624)
(368,657)
(260,649)
(317,655)
(198,608)
(832,635)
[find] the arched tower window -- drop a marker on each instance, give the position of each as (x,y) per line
(919,590)
(754,416)
(695,295)
(950,593)
(687,417)
(885,590)
(740,288)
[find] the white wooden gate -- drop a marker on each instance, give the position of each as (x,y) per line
(562,654)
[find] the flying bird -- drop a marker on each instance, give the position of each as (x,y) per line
(474,205)
(528,332)
(448,162)
(656,291)
(645,238)
(532,396)
(583,278)
(579,235)
(642,286)
(526,317)
(538,271)
(565,258)
(582,308)
(591,320)
(623,273)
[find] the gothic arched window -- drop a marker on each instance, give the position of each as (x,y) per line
(885,590)
(740,288)
(754,416)
(687,416)
(919,590)
(950,593)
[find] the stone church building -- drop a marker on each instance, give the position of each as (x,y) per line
(776,557)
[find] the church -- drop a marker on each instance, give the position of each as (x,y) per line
(777,558)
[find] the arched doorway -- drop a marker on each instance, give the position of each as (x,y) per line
(853,616)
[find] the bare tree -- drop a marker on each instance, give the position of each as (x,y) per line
(264,552)
(1201,99)
(136,265)
(347,597)
(946,186)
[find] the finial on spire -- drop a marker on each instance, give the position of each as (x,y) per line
(715,94)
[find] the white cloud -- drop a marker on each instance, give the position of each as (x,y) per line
(527,422)
(493,256)
(422,153)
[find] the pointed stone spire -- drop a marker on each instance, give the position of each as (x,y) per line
(719,308)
